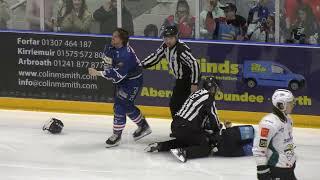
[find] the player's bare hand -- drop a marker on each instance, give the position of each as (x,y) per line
(93,72)
(194,88)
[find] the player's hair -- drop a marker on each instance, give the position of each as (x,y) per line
(124,35)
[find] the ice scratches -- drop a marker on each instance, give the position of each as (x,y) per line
(30,167)
(6,148)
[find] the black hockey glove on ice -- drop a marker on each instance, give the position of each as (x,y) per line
(263,172)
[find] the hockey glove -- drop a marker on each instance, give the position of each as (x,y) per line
(107,62)
(263,172)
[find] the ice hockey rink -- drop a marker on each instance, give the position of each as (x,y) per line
(28,153)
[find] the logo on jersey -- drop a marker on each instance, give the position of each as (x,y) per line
(263,143)
(173,59)
(281,129)
(264,132)
(289,151)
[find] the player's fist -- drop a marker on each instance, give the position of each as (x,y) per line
(106,60)
(93,72)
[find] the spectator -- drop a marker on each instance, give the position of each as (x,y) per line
(182,19)
(76,17)
(151,30)
(106,15)
(60,10)
(258,13)
(207,17)
(291,7)
(262,31)
(304,29)
(232,27)
(270,31)
(257,21)
(4,14)
(33,15)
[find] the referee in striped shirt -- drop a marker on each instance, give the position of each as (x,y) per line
(184,66)
(197,113)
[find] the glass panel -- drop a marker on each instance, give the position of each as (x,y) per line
(241,20)
(39,14)
(299,21)
(151,16)
(76,16)
(210,13)
(32,15)
(72,15)
(104,17)
(260,20)
(5,15)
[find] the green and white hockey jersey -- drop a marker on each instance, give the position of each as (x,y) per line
(273,142)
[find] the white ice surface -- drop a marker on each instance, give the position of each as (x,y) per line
(28,153)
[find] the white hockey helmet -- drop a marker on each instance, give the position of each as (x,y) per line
(281,97)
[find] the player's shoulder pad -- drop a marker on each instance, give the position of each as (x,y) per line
(126,49)
(126,52)
(270,120)
(289,118)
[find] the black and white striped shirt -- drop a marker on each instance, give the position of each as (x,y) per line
(181,61)
(200,107)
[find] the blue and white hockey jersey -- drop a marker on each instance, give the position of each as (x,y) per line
(125,64)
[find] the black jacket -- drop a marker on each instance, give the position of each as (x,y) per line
(108,20)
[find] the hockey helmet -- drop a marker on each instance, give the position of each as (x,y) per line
(281,97)
(53,125)
(211,84)
(170,31)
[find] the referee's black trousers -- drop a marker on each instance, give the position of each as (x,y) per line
(180,94)
(188,137)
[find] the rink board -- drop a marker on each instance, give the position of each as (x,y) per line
(49,72)
(149,111)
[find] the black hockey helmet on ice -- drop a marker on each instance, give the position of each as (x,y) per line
(53,125)
(170,31)
(210,84)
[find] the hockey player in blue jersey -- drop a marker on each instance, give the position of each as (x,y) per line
(124,69)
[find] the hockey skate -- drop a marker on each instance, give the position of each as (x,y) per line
(180,154)
(142,131)
(113,140)
(153,147)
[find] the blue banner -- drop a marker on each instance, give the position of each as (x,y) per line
(249,74)
(50,66)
